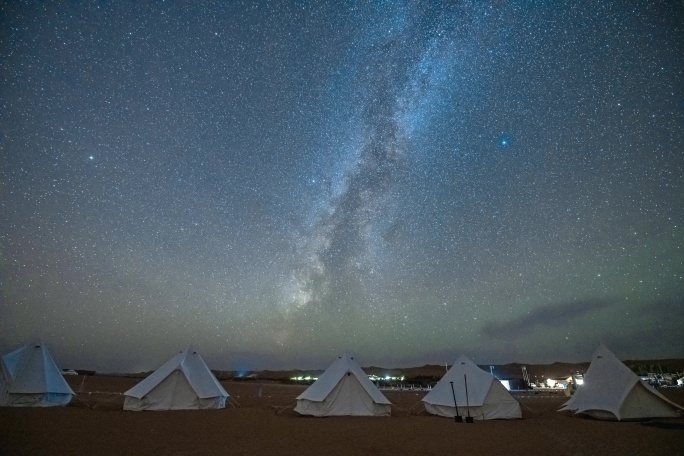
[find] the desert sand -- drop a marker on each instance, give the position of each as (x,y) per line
(260,421)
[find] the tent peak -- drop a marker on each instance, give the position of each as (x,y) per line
(183,382)
(343,389)
(612,391)
(32,378)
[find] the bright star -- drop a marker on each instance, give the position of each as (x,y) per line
(504,141)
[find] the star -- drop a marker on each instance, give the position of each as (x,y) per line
(409,182)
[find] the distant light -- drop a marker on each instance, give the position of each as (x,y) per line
(579,381)
(308,378)
(386,378)
(91,157)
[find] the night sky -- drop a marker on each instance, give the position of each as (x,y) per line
(277,183)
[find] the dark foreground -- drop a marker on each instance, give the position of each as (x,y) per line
(260,421)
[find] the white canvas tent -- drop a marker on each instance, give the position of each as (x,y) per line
(30,378)
(612,391)
(183,382)
(343,389)
(487,398)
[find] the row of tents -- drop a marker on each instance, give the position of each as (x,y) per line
(30,378)
(344,389)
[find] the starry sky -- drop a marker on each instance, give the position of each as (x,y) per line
(279,182)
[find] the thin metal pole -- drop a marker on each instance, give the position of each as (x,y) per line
(470,418)
(457,418)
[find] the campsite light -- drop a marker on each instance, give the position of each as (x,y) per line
(579,381)
(386,378)
(551,383)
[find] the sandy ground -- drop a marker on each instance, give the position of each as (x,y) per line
(260,421)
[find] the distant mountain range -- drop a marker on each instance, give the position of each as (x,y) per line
(505,371)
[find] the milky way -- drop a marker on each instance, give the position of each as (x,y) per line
(280,183)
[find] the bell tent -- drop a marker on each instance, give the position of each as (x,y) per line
(184,382)
(611,391)
(343,389)
(487,398)
(30,378)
